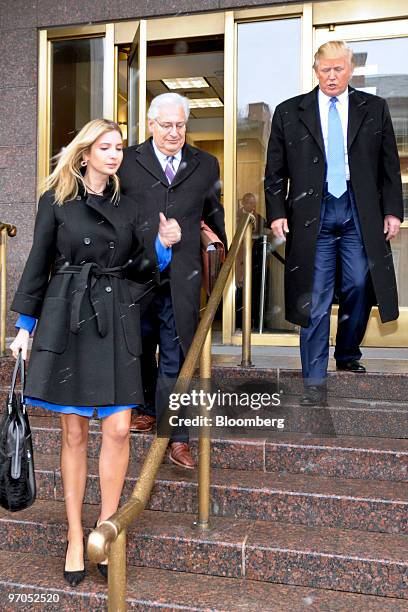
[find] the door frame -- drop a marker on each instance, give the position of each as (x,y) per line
(138,52)
(304,11)
(314,16)
(45,40)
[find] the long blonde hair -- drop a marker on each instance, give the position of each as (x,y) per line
(66,176)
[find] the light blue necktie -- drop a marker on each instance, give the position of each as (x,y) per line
(336,170)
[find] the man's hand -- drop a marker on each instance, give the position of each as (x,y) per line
(20,342)
(169,231)
(391,226)
(279,228)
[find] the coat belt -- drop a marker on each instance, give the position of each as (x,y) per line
(89,274)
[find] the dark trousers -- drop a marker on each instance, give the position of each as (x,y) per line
(339,247)
(159,329)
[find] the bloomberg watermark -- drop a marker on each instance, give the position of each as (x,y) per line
(200,408)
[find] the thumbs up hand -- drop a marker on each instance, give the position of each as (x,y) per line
(169,231)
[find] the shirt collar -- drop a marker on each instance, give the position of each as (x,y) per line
(342,98)
(162,156)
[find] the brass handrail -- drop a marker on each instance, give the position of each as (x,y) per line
(109,538)
(6,229)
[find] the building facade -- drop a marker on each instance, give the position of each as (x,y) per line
(63,64)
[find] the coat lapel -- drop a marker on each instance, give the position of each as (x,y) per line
(357,112)
(309,115)
(105,208)
(146,157)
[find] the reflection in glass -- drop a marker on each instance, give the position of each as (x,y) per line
(266,77)
(381,69)
(77,87)
(122,91)
(133,117)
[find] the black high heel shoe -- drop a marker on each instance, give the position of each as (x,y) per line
(77,576)
(102,567)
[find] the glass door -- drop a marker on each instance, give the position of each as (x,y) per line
(380,51)
(75,85)
(261,86)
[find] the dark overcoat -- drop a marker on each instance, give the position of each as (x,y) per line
(193,195)
(87,345)
(296,155)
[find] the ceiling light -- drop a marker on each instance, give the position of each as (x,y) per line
(205,103)
(186,83)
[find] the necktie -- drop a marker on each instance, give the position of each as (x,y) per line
(336,171)
(170,171)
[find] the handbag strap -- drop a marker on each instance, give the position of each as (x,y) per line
(19,365)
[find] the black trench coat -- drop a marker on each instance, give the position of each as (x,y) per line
(296,152)
(193,195)
(87,345)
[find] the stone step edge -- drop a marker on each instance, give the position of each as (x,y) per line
(184,477)
(282,500)
(224,523)
(176,475)
(205,591)
(295,453)
(367,443)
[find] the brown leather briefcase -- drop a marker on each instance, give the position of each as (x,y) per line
(213,256)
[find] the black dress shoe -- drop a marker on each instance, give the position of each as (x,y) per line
(75,577)
(102,567)
(350,366)
(314,396)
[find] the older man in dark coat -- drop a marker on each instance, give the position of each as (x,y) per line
(166,175)
(335,147)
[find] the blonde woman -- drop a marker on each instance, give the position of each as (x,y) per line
(86,259)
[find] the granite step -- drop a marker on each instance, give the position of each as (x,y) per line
(316,557)
(385,379)
(375,505)
(342,417)
(150,589)
(338,456)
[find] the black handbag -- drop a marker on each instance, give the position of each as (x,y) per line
(17,478)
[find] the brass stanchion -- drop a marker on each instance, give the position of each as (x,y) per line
(117,574)
(247,293)
(3,291)
(6,229)
(204,441)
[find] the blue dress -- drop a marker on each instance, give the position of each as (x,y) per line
(26,322)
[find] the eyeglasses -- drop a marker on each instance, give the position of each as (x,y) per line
(167,127)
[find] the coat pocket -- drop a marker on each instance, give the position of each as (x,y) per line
(130,317)
(53,327)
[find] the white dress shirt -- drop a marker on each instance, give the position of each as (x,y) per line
(162,157)
(342,107)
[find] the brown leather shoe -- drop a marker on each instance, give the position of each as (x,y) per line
(180,455)
(142,422)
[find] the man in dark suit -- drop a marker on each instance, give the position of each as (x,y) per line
(166,175)
(336,148)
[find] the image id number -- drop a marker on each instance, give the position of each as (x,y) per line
(34,597)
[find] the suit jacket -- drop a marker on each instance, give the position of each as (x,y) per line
(294,181)
(193,195)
